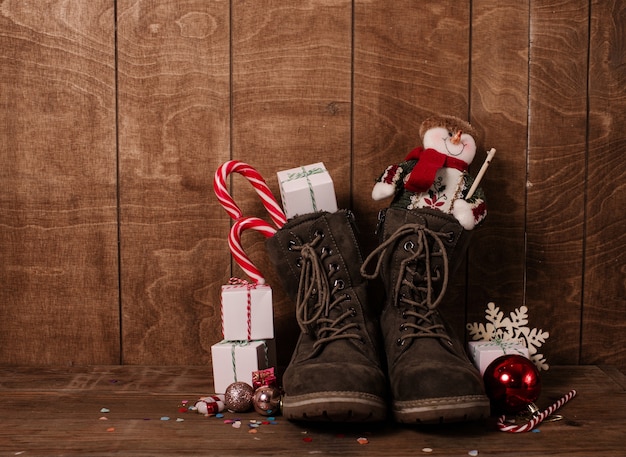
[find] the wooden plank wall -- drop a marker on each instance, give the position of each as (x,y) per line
(114,115)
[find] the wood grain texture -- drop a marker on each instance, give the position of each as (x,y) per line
(604,312)
(499,100)
(556,173)
(68,420)
(96,138)
(173,133)
(58,231)
(291,107)
(410,61)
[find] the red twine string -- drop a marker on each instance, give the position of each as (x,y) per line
(249,287)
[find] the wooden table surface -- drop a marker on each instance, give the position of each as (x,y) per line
(59,411)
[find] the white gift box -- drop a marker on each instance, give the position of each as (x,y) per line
(485,352)
(247,312)
(236,361)
(307,189)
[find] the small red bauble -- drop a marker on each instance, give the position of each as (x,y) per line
(512,383)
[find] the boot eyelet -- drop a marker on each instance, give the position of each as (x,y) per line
(404,315)
(449,343)
(400,342)
(403,327)
(326,251)
(333,267)
(319,233)
(299,262)
(409,245)
(451,237)
(339,284)
(347,297)
(352,310)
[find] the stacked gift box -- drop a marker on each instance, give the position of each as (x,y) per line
(248,329)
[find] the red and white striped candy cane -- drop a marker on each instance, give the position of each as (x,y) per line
(528,426)
(234,241)
(260,186)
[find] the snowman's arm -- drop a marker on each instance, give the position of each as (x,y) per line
(471,211)
(389,181)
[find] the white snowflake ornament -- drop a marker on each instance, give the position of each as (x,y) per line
(514,329)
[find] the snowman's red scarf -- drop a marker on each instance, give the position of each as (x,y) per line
(428,162)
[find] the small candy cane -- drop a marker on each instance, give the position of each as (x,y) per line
(537,419)
(234,241)
(260,186)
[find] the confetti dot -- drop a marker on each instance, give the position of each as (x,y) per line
(219,415)
(228,421)
(362,440)
(111,429)
(180,419)
(236,424)
(105,410)
(307,439)
(165,418)
(253,430)
(473,453)
(103,418)
(427,449)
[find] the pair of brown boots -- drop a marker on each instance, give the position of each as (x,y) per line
(354,357)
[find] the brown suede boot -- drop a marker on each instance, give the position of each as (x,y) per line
(335,372)
(432,379)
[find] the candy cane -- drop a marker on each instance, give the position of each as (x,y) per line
(537,419)
(260,186)
(234,241)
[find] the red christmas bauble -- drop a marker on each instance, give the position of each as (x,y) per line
(512,383)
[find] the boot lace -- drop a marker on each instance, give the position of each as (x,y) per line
(417,277)
(316,297)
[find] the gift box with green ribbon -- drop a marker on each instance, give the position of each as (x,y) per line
(307,189)
(235,361)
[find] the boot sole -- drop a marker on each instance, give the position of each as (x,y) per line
(442,410)
(335,407)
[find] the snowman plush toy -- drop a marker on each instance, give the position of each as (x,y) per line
(435,175)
